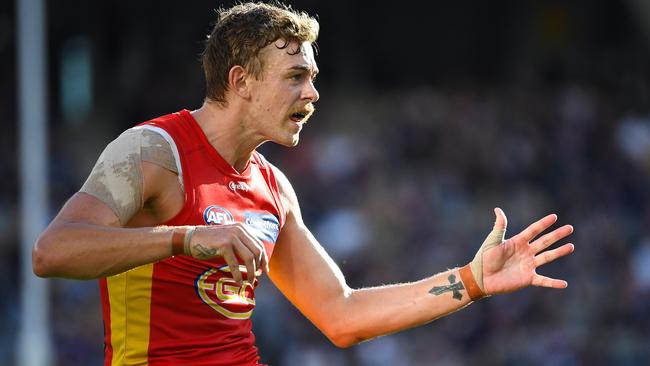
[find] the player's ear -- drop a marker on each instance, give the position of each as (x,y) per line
(237,81)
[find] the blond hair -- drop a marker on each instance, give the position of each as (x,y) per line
(241,32)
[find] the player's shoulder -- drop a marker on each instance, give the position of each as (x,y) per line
(147,135)
(139,135)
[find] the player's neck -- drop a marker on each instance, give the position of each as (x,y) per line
(226,132)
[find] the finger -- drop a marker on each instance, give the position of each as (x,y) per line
(551,255)
(257,247)
(501,222)
(537,227)
(248,257)
(543,281)
(233,264)
(498,232)
(547,240)
(265,261)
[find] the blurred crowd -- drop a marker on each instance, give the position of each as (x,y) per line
(397,182)
(400,185)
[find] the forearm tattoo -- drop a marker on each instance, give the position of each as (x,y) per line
(203,252)
(453,286)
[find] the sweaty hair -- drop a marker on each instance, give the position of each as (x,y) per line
(241,32)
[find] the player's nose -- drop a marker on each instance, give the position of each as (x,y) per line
(310,92)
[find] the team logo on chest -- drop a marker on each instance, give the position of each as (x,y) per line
(217,215)
(217,289)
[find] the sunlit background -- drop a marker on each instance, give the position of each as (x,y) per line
(431,114)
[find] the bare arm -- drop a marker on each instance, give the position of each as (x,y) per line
(92,237)
(86,240)
(308,277)
(83,247)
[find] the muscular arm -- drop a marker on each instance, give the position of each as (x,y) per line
(113,225)
(308,277)
(86,240)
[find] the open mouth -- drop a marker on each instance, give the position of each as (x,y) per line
(298,116)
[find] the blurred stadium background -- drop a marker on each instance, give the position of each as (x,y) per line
(430,115)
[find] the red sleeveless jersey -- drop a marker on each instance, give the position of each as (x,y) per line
(184,311)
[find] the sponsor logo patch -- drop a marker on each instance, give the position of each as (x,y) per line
(264,226)
(242,186)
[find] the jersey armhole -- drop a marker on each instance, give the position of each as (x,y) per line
(173,147)
(272,182)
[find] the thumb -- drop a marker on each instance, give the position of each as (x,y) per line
(500,224)
(494,238)
(501,221)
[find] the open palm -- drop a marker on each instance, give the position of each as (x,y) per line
(512,263)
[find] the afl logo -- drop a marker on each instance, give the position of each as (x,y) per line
(217,215)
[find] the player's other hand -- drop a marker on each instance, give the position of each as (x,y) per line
(511,264)
(231,241)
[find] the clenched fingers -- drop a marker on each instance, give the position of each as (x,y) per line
(233,264)
(233,242)
(548,239)
(248,256)
(551,255)
(257,248)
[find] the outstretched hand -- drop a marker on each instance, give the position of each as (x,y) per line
(508,265)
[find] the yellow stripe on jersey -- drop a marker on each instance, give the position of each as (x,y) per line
(129,296)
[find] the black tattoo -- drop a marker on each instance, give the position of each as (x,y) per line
(454,286)
(203,252)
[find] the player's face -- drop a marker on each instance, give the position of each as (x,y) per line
(283,97)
